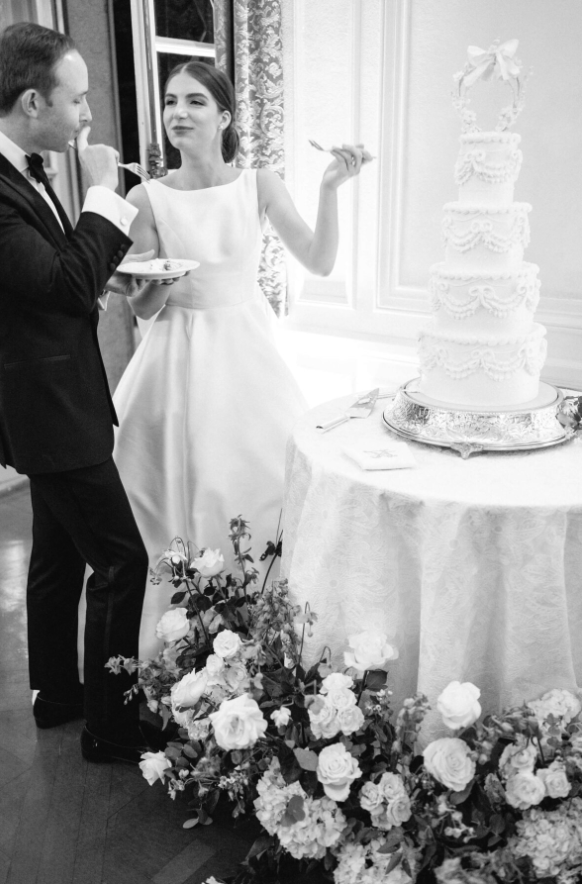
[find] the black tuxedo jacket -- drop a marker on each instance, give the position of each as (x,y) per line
(56,411)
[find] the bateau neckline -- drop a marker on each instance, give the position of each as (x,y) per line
(201,189)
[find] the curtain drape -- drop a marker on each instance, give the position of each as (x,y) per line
(247,36)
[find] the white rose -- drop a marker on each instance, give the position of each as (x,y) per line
(339,698)
(524,789)
(226,643)
(392,786)
(154,765)
(335,681)
(458,704)
(236,677)
(399,810)
(370,650)
(516,758)
(370,796)
(555,780)
(173,625)
(238,724)
(350,720)
(336,770)
(281,716)
(210,563)
(449,762)
(215,669)
(189,689)
(323,719)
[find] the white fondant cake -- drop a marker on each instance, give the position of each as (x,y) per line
(483,347)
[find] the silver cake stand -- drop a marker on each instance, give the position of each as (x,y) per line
(536,425)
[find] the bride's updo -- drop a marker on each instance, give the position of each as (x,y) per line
(222,91)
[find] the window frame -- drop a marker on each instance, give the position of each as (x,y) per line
(147,45)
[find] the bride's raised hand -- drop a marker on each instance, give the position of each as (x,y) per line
(347,163)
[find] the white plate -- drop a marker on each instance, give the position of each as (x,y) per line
(155,269)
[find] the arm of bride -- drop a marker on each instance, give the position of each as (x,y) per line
(315,249)
(152,296)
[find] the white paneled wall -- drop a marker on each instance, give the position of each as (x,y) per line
(380,72)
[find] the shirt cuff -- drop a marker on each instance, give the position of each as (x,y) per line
(105,202)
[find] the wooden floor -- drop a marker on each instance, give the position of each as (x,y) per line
(62,820)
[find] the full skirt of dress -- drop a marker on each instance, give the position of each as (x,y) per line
(206,407)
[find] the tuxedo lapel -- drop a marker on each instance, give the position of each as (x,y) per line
(17,185)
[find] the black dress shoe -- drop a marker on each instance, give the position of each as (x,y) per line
(49,713)
(117,746)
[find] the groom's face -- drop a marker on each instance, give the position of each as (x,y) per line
(66,111)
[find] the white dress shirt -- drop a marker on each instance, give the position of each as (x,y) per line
(100,200)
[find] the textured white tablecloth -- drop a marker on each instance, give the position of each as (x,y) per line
(473,567)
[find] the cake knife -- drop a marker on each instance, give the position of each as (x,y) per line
(362,407)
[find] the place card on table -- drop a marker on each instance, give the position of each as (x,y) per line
(388,456)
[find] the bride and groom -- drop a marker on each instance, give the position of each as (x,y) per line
(206,404)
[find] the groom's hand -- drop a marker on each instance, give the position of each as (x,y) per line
(99,161)
(123,284)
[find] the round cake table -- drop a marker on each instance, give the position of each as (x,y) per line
(472,567)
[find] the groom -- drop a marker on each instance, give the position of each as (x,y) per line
(56,412)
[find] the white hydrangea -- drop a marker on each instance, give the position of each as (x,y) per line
(321,828)
(273,797)
(562,704)
(364,864)
(310,837)
(551,839)
(352,863)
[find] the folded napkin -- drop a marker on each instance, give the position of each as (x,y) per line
(389,456)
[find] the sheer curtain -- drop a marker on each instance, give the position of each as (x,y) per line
(249,49)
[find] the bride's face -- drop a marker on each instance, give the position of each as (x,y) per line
(192,118)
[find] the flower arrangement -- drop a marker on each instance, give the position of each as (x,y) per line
(337,780)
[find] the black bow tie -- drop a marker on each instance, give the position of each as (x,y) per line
(36,168)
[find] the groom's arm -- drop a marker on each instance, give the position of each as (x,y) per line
(71,277)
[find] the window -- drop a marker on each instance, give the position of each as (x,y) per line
(152,36)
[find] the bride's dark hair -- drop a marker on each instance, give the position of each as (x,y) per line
(222,91)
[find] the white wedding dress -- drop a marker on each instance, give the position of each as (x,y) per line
(207,403)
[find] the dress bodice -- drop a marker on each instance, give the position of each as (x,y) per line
(218,226)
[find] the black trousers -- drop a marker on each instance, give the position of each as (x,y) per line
(83,516)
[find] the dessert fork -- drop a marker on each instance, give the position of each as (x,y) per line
(318,146)
(136,169)
(365,158)
(132,167)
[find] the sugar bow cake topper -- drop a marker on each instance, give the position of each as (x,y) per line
(483,64)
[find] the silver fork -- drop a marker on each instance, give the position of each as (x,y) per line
(136,169)
(133,167)
(318,146)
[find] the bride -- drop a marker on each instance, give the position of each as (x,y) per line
(206,404)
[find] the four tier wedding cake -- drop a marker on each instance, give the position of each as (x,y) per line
(483,348)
